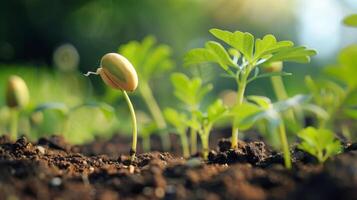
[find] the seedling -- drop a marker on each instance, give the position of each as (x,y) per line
(17,97)
(272,113)
(280,91)
(336,98)
(151,61)
(180,122)
(36,117)
(242,60)
(215,111)
(320,143)
(117,72)
(190,92)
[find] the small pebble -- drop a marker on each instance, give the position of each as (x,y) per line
(159,192)
(194,162)
(91,169)
(84,162)
(56,181)
(131,169)
(41,149)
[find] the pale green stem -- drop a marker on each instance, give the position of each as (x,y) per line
(281,94)
(14,123)
(184,143)
(135,132)
(156,113)
(193,138)
(205,140)
(285,145)
(240,98)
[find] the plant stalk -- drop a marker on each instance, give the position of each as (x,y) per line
(240,97)
(135,132)
(205,140)
(14,123)
(193,138)
(281,94)
(285,145)
(184,143)
(156,113)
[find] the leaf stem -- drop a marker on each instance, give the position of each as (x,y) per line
(135,132)
(285,145)
(14,123)
(193,140)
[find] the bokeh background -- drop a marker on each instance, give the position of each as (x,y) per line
(52,43)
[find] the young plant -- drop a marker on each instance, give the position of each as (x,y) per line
(151,61)
(190,92)
(215,111)
(36,116)
(242,61)
(180,122)
(117,72)
(280,91)
(271,112)
(337,98)
(17,97)
(320,143)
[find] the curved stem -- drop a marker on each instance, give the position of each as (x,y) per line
(14,123)
(285,145)
(135,132)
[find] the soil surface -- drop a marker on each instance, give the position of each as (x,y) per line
(53,169)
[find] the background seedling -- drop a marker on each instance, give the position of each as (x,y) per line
(180,122)
(117,72)
(151,61)
(36,117)
(272,113)
(17,97)
(320,143)
(191,92)
(248,53)
(215,111)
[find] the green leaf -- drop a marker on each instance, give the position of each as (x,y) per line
(176,119)
(148,57)
(294,54)
(292,102)
(242,113)
(243,42)
(351,20)
(216,111)
(213,52)
(106,109)
(189,91)
(269,45)
(320,143)
(263,102)
(60,107)
(346,69)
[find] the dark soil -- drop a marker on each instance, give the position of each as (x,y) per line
(52,169)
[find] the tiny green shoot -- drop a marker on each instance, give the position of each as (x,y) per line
(17,97)
(320,143)
(241,63)
(191,92)
(180,122)
(215,111)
